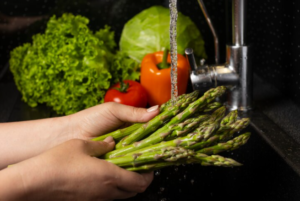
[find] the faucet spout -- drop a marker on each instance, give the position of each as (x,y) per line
(236,72)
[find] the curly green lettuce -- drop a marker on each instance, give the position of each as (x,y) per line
(69,68)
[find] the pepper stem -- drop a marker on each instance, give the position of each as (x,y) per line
(123,87)
(164,64)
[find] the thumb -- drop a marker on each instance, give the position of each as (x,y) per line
(131,114)
(98,148)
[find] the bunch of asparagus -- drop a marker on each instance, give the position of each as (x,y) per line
(193,130)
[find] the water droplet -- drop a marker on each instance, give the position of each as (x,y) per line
(157,173)
(184,176)
(192,181)
(176,169)
(161,188)
(163,199)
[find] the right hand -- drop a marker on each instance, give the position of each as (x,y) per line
(71,172)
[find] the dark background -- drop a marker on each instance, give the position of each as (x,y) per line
(273,29)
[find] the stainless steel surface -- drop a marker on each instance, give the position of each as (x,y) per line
(238,60)
(236,73)
(191,58)
(238,22)
(201,78)
(210,24)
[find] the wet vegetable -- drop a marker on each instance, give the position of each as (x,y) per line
(148,32)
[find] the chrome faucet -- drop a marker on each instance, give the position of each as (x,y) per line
(236,73)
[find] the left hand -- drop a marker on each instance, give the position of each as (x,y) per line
(23,140)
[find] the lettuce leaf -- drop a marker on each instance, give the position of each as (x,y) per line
(148,32)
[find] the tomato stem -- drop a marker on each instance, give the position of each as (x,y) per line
(123,87)
(164,64)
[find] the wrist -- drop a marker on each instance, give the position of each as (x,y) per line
(64,129)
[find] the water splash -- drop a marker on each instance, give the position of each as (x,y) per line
(157,172)
(173,49)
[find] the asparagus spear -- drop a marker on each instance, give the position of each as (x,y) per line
(184,142)
(191,123)
(167,154)
(202,159)
(226,146)
(212,106)
(180,99)
(157,121)
(120,133)
(229,118)
(218,114)
(215,160)
(164,131)
(187,126)
(223,135)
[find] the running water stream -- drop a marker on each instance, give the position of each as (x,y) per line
(173,49)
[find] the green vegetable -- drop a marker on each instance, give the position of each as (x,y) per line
(193,136)
(160,134)
(197,158)
(148,32)
(69,68)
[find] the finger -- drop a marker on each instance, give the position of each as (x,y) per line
(132,181)
(98,148)
(126,113)
(121,194)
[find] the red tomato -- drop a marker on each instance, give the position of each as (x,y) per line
(135,95)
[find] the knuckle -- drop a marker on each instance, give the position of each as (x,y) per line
(136,112)
(142,187)
(111,105)
(132,195)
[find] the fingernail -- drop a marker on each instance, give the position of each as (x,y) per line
(153,108)
(109,139)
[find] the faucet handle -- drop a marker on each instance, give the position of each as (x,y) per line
(191,58)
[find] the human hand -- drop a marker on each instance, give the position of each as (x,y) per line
(26,139)
(107,117)
(71,172)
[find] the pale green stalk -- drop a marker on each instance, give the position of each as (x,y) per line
(160,134)
(226,146)
(157,121)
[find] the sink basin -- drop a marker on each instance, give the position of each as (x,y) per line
(265,175)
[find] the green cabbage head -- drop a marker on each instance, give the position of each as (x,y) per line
(148,32)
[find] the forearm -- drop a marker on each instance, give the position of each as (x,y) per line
(10,182)
(12,186)
(28,180)
(22,140)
